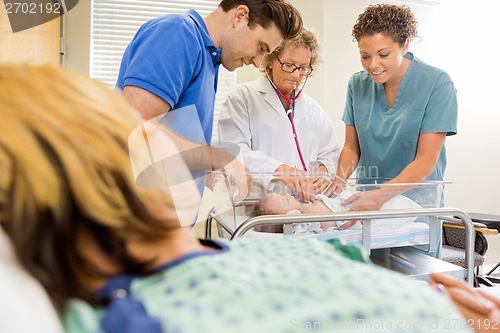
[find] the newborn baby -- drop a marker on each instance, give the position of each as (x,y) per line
(287,204)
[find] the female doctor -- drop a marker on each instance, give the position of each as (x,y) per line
(277,126)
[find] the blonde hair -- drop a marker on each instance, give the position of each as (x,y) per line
(64,169)
(306,39)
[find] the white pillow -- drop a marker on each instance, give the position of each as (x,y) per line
(24,305)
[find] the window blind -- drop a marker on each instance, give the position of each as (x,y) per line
(114,24)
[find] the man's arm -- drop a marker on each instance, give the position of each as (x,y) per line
(148,104)
(196,155)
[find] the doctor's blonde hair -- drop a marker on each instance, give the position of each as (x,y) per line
(305,39)
(64,170)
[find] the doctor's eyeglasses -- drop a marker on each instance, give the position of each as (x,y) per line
(290,68)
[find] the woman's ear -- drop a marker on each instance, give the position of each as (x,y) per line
(406,46)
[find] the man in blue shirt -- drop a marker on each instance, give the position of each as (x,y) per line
(173,62)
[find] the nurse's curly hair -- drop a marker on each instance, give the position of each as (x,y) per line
(396,21)
(305,39)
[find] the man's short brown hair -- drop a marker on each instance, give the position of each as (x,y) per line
(265,12)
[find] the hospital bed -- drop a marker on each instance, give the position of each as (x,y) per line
(234,219)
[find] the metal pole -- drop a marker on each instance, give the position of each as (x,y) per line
(364,215)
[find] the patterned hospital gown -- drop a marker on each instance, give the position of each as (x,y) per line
(281,285)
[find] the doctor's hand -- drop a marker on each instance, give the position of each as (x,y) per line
(480,310)
(297,181)
(321,179)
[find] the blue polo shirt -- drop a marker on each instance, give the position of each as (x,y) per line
(426,102)
(174,58)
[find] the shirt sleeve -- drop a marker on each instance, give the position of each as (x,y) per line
(163,58)
(348,117)
(442,109)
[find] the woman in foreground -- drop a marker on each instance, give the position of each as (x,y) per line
(114,257)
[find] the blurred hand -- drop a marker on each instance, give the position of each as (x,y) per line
(240,177)
(480,310)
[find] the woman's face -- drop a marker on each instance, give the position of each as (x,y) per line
(381,57)
(284,81)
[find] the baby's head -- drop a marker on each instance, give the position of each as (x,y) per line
(277,204)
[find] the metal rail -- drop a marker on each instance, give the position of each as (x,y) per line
(433,213)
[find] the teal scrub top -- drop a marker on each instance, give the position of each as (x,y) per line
(426,102)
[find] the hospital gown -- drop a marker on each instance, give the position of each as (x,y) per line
(280,285)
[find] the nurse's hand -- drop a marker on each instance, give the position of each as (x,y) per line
(363,201)
(297,181)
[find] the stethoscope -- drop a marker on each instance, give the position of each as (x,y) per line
(290,113)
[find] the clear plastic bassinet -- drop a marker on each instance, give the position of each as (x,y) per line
(233,217)
(229,212)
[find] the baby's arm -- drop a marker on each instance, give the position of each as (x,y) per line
(317,206)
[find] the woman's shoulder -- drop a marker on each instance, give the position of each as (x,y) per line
(429,71)
(361,78)
(311,104)
(81,317)
(170,23)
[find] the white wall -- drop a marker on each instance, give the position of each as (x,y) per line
(77,35)
(458,36)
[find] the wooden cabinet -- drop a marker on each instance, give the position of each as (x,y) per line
(37,45)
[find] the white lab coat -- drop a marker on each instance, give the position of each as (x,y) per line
(254,118)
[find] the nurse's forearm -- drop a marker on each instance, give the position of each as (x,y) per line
(429,148)
(348,162)
(416,171)
(349,156)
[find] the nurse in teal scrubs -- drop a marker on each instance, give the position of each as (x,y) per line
(398,111)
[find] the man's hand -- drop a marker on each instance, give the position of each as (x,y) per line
(238,176)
